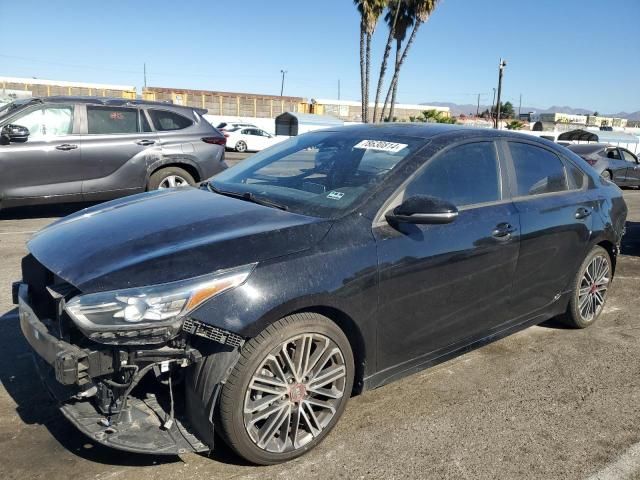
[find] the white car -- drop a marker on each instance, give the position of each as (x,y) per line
(250,139)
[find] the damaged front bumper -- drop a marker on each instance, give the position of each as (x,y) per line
(99,389)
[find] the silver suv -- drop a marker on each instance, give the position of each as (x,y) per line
(70,149)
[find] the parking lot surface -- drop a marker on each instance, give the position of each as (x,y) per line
(548,402)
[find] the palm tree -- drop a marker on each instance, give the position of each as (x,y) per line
(391,18)
(422,10)
(370,11)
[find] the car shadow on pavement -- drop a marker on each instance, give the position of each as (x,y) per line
(43,211)
(35,406)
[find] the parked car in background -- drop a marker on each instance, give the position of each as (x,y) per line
(69,149)
(224,126)
(613,163)
(333,263)
(250,139)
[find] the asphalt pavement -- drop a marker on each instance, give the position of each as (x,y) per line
(545,403)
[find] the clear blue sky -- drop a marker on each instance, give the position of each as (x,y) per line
(582,53)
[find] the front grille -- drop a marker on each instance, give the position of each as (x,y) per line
(215,334)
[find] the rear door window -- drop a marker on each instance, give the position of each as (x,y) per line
(628,156)
(538,171)
(166,121)
(111,120)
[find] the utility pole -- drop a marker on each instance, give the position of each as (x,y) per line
(493,104)
(283,72)
(145,75)
(338,89)
(478,107)
(519,106)
(501,67)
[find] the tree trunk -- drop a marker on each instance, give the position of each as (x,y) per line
(362,70)
(385,58)
(399,63)
(392,107)
(366,83)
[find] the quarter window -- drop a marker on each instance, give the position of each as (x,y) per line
(111,120)
(537,170)
(47,121)
(465,175)
(166,121)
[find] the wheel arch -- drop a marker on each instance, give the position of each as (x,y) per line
(351,330)
(185,164)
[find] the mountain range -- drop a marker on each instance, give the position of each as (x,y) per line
(469,108)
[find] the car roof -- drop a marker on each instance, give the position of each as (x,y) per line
(112,101)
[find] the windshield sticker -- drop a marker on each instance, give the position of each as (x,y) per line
(381,145)
(335,195)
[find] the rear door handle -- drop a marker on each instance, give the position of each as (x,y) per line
(145,142)
(66,146)
(583,212)
(503,231)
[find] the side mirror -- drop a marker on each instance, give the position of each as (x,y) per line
(422,209)
(14,133)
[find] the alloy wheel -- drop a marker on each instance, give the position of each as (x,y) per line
(593,288)
(294,393)
(173,181)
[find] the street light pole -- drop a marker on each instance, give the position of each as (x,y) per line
(283,72)
(501,67)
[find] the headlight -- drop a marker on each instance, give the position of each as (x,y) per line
(150,314)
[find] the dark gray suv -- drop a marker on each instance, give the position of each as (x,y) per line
(69,149)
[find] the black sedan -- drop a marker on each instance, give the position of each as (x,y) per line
(327,265)
(614,163)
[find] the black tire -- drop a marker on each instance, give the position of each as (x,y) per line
(241,147)
(230,414)
(159,176)
(573,317)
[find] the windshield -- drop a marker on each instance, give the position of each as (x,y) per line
(320,173)
(13,106)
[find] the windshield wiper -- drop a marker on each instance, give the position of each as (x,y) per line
(248,196)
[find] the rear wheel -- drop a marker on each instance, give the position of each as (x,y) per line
(241,147)
(590,289)
(288,389)
(170,177)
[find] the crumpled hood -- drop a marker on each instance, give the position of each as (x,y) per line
(169,235)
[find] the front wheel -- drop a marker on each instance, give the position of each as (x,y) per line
(590,289)
(606,175)
(287,390)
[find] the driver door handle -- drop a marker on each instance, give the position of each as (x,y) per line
(145,143)
(583,212)
(66,146)
(503,231)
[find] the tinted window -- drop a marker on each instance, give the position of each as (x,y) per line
(537,170)
(110,120)
(165,121)
(465,175)
(613,154)
(47,121)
